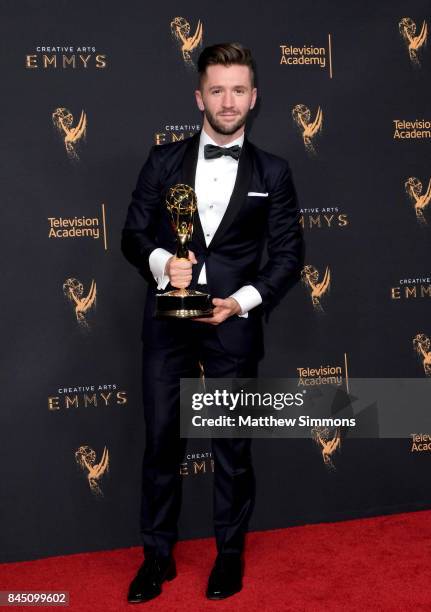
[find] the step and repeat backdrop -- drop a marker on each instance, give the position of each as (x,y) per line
(88,88)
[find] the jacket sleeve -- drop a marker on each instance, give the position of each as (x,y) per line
(138,235)
(284,241)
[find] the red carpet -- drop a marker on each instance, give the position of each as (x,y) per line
(376,564)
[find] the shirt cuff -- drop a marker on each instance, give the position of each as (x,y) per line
(157,262)
(248,297)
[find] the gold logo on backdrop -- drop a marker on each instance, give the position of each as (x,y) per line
(85,457)
(74,290)
(180,29)
(328,442)
(65,57)
(302,117)
(406,130)
(420,442)
(421,344)
(414,188)
(414,43)
(310,278)
(62,119)
(324,375)
(174,133)
(80,227)
(323,218)
(307,55)
(412,288)
(103,396)
(197,464)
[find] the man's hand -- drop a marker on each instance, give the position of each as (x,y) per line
(223,309)
(180,270)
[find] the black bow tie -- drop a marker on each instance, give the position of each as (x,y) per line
(213,151)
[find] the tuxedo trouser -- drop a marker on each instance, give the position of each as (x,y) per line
(234,487)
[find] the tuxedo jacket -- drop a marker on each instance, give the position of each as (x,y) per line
(262,211)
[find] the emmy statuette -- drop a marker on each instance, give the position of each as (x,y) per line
(182,303)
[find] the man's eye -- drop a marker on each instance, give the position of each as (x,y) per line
(239,91)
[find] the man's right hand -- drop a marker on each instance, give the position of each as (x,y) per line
(180,270)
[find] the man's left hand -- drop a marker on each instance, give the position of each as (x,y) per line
(223,309)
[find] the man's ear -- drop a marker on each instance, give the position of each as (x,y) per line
(199,101)
(253,97)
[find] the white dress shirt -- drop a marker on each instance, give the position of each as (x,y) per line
(214,183)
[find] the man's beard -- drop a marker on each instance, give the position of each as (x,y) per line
(219,128)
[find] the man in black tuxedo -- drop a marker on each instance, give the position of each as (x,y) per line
(245,196)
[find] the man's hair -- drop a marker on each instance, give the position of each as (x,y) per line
(225,54)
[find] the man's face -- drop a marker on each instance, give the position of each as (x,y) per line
(226,97)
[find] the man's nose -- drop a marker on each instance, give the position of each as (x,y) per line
(228,99)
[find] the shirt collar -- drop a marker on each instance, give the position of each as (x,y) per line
(205,139)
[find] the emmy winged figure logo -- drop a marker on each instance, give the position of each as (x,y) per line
(302,117)
(62,119)
(85,457)
(327,442)
(414,42)
(421,344)
(180,29)
(420,201)
(310,278)
(73,289)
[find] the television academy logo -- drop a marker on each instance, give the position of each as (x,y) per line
(418,129)
(180,29)
(414,43)
(421,344)
(79,227)
(318,290)
(420,200)
(309,129)
(62,119)
(85,458)
(73,289)
(307,55)
(323,375)
(420,442)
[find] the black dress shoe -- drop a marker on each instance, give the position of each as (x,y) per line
(226,576)
(147,583)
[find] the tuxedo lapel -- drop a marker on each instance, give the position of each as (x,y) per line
(239,193)
(188,174)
